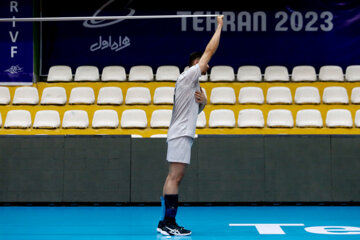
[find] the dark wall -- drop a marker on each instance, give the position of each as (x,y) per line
(269,168)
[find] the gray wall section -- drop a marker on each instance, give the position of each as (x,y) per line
(269,168)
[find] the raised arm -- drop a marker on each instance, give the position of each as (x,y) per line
(212,45)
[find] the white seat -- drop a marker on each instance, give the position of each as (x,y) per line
(222,118)
(87,73)
(352,73)
(138,95)
(164,95)
(47,119)
(105,119)
(0,120)
(75,119)
(133,118)
(167,73)
(355,95)
(141,73)
(222,73)
(278,95)
(251,95)
(82,95)
(276,73)
(335,95)
(110,95)
(201,120)
(303,74)
(339,118)
(249,74)
(280,118)
(53,95)
(307,95)
(18,119)
(203,78)
(113,73)
(357,118)
(26,95)
(4,96)
(159,136)
(253,118)
(59,73)
(222,95)
(331,73)
(136,136)
(309,118)
(161,118)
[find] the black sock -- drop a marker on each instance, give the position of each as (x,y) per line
(171,205)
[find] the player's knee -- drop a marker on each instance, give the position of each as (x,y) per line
(176,177)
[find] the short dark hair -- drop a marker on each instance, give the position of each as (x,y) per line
(193,56)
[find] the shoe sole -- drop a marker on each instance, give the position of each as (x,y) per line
(167,234)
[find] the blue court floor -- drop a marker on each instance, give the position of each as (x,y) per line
(207,223)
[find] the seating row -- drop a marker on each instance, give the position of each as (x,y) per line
(220,118)
(164,95)
(63,73)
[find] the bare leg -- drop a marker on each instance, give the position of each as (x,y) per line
(172,182)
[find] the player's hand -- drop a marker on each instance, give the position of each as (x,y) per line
(200,97)
(220,20)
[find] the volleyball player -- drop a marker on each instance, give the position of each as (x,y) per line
(189,101)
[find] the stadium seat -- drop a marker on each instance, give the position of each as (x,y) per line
(164,95)
(113,73)
(0,120)
(357,119)
(75,119)
(87,73)
(251,118)
(4,96)
(249,74)
(138,95)
(303,74)
(222,95)
(26,95)
(307,95)
(222,73)
(331,73)
(167,73)
(222,118)
(279,95)
(251,95)
(141,73)
(53,95)
(352,73)
(82,95)
(136,136)
(18,119)
(355,95)
(158,136)
(161,118)
(276,73)
(110,95)
(47,119)
(105,119)
(309,118)
(339,118)
(133,118)
(335,95)
(280,118)
(201,120)
(59,73)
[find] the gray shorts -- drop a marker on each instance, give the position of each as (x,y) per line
(179,149)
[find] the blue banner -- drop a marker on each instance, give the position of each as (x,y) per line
(318,32)
(16,44)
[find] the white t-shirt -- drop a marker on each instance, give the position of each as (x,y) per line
(186,109)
